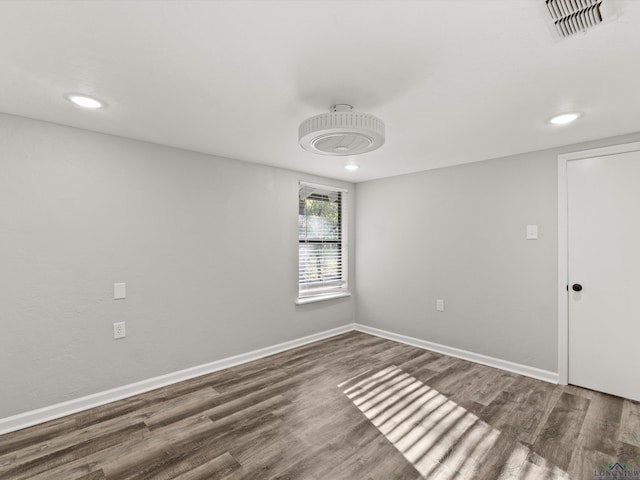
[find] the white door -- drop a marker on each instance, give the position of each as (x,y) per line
(604,259)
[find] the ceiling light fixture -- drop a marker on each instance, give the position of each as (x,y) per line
(565,118)
(352,167)
(341,132)
(84,101)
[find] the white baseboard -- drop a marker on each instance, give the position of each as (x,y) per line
(526,370)
(41,415)
(35,417)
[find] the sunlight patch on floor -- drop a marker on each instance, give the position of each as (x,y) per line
(441,439)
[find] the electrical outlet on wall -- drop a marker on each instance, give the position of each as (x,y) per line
(439,305)
(119,330)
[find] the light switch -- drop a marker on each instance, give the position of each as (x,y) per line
(439,305)
(532,232)
(119,291)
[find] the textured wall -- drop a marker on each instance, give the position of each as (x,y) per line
(207,247)
(458,234)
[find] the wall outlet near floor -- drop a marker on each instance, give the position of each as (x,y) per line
(439,305)
(119,330)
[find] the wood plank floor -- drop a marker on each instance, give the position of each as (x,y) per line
(354,407)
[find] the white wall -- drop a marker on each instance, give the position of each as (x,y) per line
(206,245)
(80,211)
(458,234)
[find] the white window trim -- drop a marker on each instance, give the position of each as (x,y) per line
(321,298)
(339,292)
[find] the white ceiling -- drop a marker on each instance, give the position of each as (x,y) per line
(455,80)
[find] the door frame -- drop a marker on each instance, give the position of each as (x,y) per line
(563,246)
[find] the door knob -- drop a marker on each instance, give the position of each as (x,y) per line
(576,287)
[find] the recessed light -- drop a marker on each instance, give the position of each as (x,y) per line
(84,101)
(351,167)
(565,118)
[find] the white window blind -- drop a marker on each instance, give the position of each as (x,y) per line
(321,252)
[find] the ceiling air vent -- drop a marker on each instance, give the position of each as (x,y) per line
(571,17)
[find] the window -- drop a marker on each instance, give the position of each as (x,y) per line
(321,243)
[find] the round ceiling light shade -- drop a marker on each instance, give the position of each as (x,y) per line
(341,132)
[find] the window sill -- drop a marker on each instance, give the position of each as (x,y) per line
(321,298)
